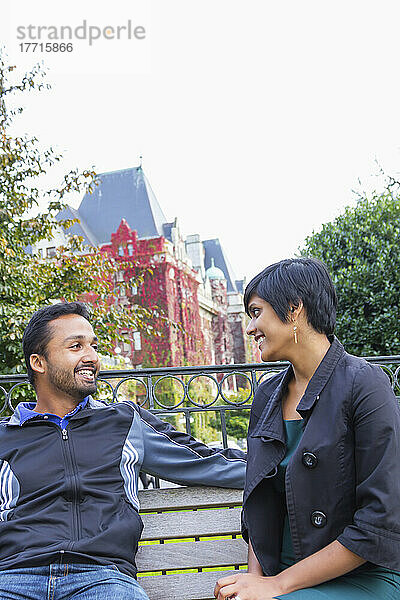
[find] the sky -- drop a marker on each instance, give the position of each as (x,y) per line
(255,120)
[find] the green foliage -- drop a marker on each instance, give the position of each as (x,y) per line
(361,250)
(202,426)
(237,421)
(26,281)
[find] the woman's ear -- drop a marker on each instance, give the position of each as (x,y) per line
(295,311)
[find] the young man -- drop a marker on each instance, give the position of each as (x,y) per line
(69,522)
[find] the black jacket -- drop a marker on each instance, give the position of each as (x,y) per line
(72,494)
(343,480)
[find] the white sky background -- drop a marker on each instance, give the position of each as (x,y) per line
(255,120)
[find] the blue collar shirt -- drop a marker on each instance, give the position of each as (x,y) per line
(27,412)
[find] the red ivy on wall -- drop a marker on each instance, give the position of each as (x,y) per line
(169,290)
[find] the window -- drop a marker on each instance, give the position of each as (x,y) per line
(133,288)
(126,344)
(130,249)
(137,340)
(50,252)
(120,250)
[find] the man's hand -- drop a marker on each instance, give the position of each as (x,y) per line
(248,587)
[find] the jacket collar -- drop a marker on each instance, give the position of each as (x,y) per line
(90,406)
(320,378)
(15,418)
(270,424)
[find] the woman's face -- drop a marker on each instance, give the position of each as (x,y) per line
(274,338)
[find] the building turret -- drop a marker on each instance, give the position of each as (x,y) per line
(214,272)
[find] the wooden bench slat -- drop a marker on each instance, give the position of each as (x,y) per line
(189,555)
(188,497)
(185,586)
(225,521)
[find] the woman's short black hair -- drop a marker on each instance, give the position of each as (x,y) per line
(38,334)
(286,283)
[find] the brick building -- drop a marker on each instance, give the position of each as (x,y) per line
(188,280)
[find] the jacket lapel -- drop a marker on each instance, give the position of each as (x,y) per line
(270,423)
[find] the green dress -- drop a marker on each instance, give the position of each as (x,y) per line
(377,583)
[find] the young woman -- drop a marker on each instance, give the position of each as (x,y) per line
(321,509)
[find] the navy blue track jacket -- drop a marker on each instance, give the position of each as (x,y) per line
(72,493)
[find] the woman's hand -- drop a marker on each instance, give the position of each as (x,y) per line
(248,587)
(328,563)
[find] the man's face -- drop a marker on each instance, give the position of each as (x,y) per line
(72,363)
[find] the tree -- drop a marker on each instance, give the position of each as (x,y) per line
(361,250)
(28,282)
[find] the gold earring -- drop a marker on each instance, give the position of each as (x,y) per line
(295,334)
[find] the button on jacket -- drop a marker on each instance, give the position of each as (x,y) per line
(72,493)
(343,481)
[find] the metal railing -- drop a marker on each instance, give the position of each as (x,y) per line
(189,391)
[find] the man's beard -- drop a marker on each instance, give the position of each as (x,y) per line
(65,382)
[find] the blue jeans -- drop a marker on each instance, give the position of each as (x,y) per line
(69,581)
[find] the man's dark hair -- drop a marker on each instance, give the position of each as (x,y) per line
(286,283)
(38,334)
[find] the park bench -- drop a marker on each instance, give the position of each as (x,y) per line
(178,525)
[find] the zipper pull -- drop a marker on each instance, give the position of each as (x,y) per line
(64,434)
